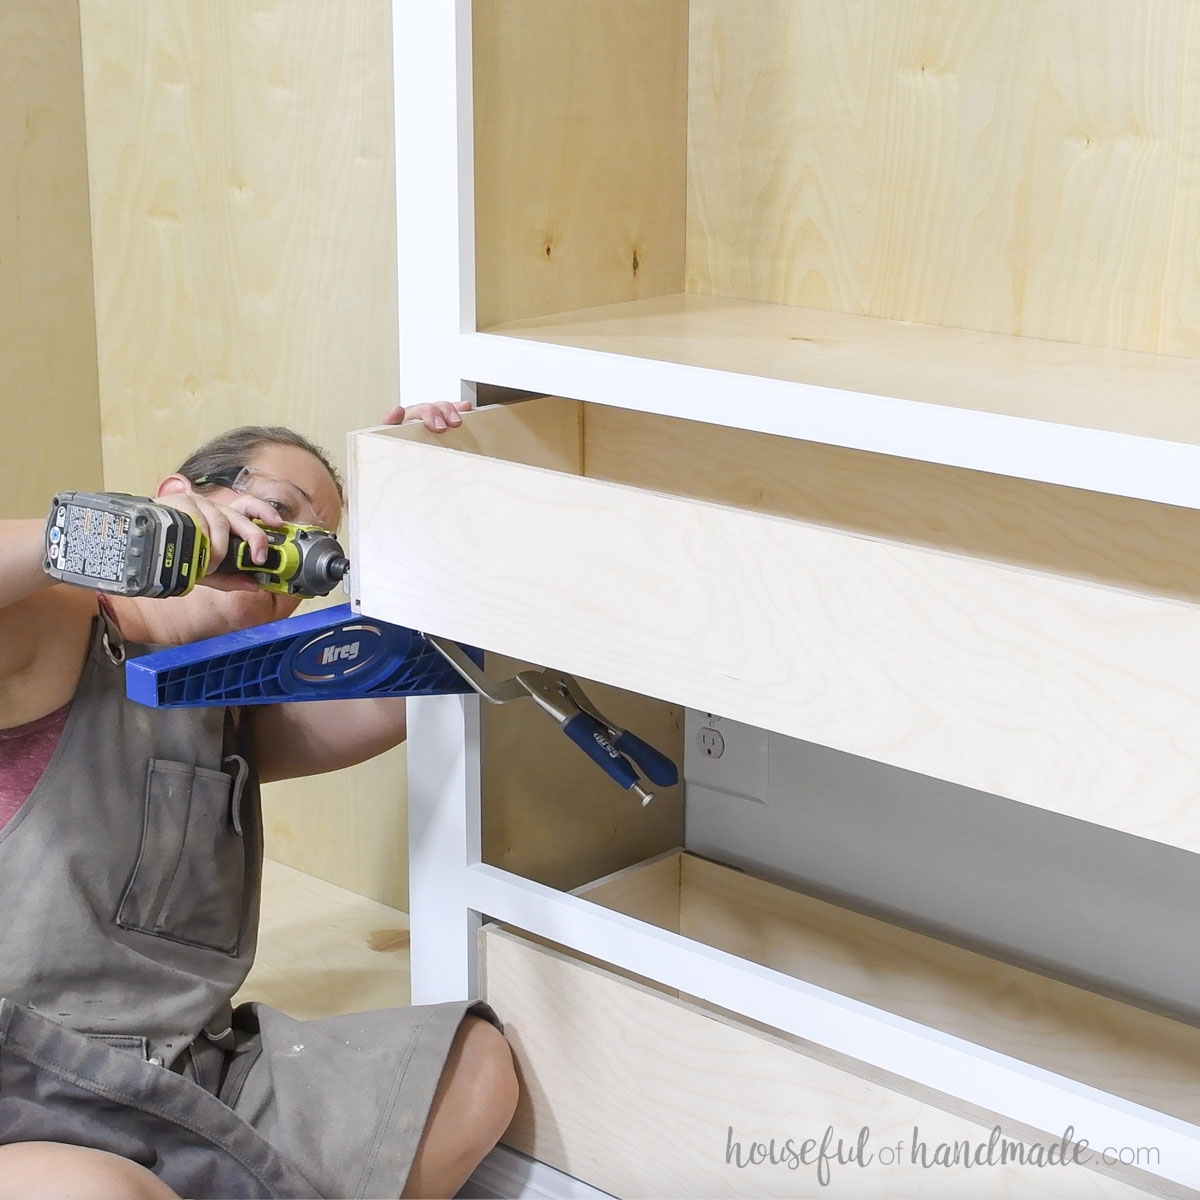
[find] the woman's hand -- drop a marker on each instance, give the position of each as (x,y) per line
(436,417)
(219,523)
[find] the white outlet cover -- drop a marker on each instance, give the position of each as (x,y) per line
(742,768)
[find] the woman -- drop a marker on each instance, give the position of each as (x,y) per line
(130,850)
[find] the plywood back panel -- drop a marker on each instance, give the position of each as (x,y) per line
(580,144)
(243,203)
(243,206)
(49,411)
(1020,166)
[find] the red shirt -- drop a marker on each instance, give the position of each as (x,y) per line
(25,752)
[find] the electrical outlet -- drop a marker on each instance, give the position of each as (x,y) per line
(709,741)
(725,756)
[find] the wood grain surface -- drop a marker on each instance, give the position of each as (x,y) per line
(323,949)
(644,1095)
(49,401)
(243,213)
(1009,165)
(580,153)
(241,161)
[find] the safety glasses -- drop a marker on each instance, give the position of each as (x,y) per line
(292,504)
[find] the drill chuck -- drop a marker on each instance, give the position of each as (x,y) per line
(302,560)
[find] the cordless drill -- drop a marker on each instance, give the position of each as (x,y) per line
(131,546)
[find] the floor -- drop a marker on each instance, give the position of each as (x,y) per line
(325,950)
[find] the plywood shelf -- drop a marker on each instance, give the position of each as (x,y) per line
(323,949)
(1114,421)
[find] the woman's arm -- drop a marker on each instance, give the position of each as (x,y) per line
(296,739)
(21,574)
(44,628)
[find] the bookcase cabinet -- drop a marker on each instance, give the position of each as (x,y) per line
(857,349)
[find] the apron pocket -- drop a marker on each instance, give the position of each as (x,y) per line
(188,879)
(124,1041)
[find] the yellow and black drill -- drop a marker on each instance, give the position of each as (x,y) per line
(132,546)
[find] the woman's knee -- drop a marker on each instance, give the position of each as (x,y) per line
(474,1103)
(477,1094)
(488,1079)
(55,1171)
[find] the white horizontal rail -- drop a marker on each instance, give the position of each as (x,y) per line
(953,1066)
(1096,460)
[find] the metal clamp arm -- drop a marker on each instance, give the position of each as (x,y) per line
(488,688)
(564,700)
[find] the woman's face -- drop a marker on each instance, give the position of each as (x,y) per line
(208,612)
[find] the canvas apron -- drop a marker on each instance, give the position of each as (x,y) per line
(131,884)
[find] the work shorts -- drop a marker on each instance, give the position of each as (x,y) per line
(328,1108)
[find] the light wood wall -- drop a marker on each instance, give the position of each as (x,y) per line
(49,412)
(242,178)
(197,230)
(241,162)
(549,812)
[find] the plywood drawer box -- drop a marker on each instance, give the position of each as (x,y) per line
(641,1093)
(694,563)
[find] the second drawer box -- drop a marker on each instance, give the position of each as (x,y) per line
(643,1093)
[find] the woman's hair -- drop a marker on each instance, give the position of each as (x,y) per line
(228,452)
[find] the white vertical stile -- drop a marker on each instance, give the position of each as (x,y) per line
(462,204)
(431,47)
(443,838)
(434,197)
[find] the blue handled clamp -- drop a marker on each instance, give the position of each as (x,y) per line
(619,752)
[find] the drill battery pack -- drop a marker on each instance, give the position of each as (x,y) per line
(126,545)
